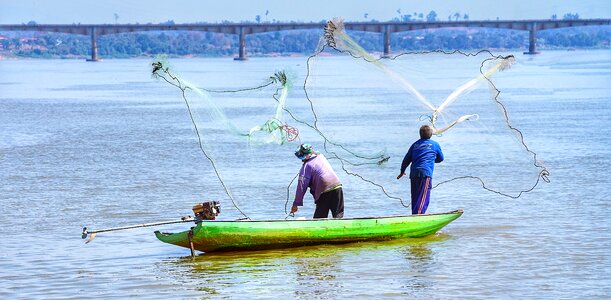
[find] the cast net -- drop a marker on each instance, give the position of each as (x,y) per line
(370,115)
(363,113)
(235,130)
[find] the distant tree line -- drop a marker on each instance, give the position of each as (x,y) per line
(304,42)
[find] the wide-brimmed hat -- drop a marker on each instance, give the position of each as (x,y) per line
(305,152)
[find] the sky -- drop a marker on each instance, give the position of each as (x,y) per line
(190,11)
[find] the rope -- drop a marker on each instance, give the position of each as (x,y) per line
(158,66)
(288,193)
(543,174)
(239,90)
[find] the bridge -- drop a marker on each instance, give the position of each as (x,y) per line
(242,29)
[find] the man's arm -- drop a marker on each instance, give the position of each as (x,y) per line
(406,161)
(439,157)
(302,185)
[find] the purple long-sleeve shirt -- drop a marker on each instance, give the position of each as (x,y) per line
(317,174)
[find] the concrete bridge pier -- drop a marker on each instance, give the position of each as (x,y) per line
(94,45)
(532,39)
(242,46)
(386,42)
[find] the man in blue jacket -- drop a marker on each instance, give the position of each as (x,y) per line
(422,155)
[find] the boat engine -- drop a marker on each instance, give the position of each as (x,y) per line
(207,210)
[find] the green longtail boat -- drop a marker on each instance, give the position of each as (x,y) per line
(213,235)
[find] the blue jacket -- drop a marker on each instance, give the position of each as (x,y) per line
(422,155)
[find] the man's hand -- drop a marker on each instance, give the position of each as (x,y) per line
(400,175)
(294,209)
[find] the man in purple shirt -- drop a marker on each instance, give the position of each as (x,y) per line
(423,154)
(317,174)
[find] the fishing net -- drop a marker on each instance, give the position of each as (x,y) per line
(370,115)
(234,129)
(363,113)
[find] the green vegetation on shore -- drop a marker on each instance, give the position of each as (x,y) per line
(298,42)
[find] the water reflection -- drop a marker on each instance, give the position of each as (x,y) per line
(402,266)
(316,275)
(419,263)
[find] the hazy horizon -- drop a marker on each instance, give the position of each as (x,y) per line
(190,11)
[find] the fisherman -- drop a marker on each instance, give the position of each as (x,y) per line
(317,174)
(422,155)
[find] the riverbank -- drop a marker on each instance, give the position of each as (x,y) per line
(7,55)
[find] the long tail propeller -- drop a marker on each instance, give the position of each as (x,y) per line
(93,233)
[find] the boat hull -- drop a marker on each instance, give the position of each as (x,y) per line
(211,236)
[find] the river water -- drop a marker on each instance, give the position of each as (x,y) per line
(103,145)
